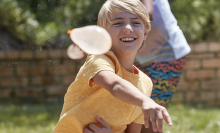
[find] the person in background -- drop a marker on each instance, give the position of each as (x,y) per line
(163,56)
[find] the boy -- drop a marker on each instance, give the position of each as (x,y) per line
(110,85)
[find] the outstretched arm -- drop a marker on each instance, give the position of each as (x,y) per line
(128,93)
(150,8)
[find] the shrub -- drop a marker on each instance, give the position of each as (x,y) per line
(45,22)
(198,19)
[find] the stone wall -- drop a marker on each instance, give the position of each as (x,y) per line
(200,82)
(30,76)
(44,76)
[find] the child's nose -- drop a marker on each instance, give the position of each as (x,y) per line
(128,28)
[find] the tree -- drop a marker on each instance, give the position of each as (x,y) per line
(198,19)
(43,23)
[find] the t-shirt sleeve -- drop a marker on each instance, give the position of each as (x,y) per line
(94,64)
(139,119)
(150,83)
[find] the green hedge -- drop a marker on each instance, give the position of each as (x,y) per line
(22,24)
(44,22)
(199,19)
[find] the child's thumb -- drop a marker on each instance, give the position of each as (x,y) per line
(102,122)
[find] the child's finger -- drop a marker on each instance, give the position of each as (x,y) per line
(146,120)
(102,122)
(86,130)
(167,117)
(94,127)
(153,120)
(160,120)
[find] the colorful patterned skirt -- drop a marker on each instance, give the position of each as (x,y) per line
(165,77)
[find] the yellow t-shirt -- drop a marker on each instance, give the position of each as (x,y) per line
(84,99)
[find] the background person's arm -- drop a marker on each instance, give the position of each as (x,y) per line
(127,92)
(150,8)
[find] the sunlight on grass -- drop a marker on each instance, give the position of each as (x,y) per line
(193,119)
(29,118)
(42,118)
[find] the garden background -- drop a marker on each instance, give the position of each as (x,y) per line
(35,70)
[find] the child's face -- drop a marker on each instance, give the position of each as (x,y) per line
(127,32)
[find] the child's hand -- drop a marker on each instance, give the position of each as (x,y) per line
(105,128)
(157,113)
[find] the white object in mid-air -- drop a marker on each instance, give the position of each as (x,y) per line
(90,40)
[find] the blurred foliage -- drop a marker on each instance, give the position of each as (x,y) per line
(22,24)
(199,19)
(45,22)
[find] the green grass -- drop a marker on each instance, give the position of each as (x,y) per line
(42,118)
(193,119)
(35,118)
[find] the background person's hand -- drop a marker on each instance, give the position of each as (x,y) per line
(150,8)
(157,114)
(151,14)
(105,128)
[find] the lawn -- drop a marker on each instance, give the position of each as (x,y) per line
(193,119)
(42,118)
(27,118)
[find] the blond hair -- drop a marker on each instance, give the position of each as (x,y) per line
(134,7)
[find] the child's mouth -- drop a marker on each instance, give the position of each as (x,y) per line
(127,39)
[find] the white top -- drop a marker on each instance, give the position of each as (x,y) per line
(165,42)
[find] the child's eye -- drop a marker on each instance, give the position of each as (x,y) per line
(136,23)
(117,24)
